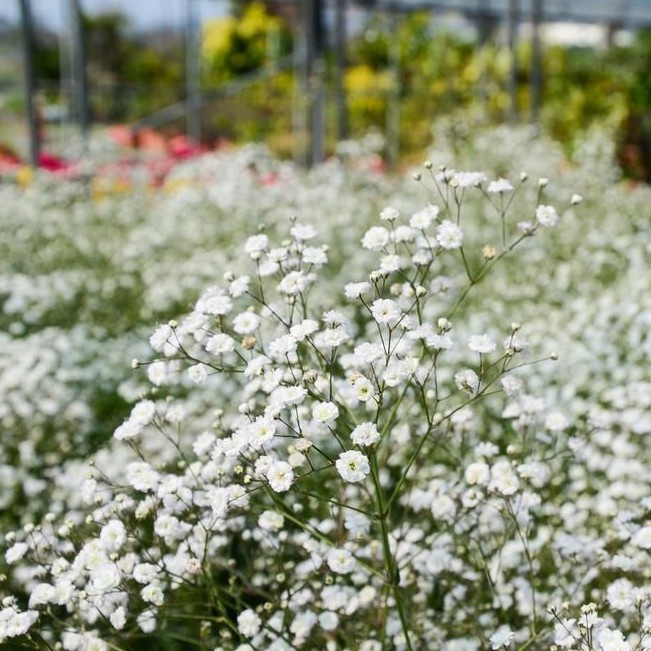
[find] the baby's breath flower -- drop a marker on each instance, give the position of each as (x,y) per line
(353,466)
(546,216)
(449,235)
(499,186)
(280,476)
(389,214)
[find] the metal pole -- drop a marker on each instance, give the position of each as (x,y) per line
(512,27)
(393,107)
(192,73)
(536,60)
(30,81)
(340,69)
(78,67)
(315,71)
(300,89)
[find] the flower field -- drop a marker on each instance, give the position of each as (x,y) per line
(257,408)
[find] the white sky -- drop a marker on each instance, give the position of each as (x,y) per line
(143,14)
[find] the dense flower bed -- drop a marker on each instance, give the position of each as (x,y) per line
(374,414)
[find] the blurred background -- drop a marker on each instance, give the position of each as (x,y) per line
(171,78)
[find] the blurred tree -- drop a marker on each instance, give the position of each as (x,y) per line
(242,42)
(132,77)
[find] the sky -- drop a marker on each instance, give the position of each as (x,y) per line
(143,14)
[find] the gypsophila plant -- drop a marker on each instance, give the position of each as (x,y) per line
(374,475)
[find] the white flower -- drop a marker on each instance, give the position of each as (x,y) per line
(239,286)
(328,621)
(353,466)
(271,521)
(314,255)
(260,431)
(404,234)
(331,338)
(245,323)
(642,537)
(214,302)
(477,473)
(375,238)
(293,283)
(143,412)
(42,593)
(153,594)
(118,618)
(197,373)
(365,434)
(141,415)
(105,577)
(546,216)
(160,337)
(280,476)
(566,633)
(147,620)
(304,329)
(501,185)
(481,344)
(248,623)
(391,263)
(302,625)
(281,347)
(157,373)
(256,366)
(340,561)
(511,385)
(325,412)
(556,422)
(503,478)
(526,227)
(469,179)
(113,535)
(610,640)
(145,572)
(621,595)
(303,231)
(255,245)
(221,343)
(386,311)
(278,254)
(355,290)
(389,214)
(439,342)
(424,217)
(367,353)
(467,380)
(142,476)
(502,638)
(449,235)
(363,388)
(16,552)
(286,396)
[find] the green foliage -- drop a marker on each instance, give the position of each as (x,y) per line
(235,45)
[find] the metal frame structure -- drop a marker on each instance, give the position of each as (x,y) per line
(308,60)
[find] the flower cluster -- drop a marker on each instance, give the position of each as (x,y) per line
(373,453)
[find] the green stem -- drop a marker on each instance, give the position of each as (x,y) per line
(393,574)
